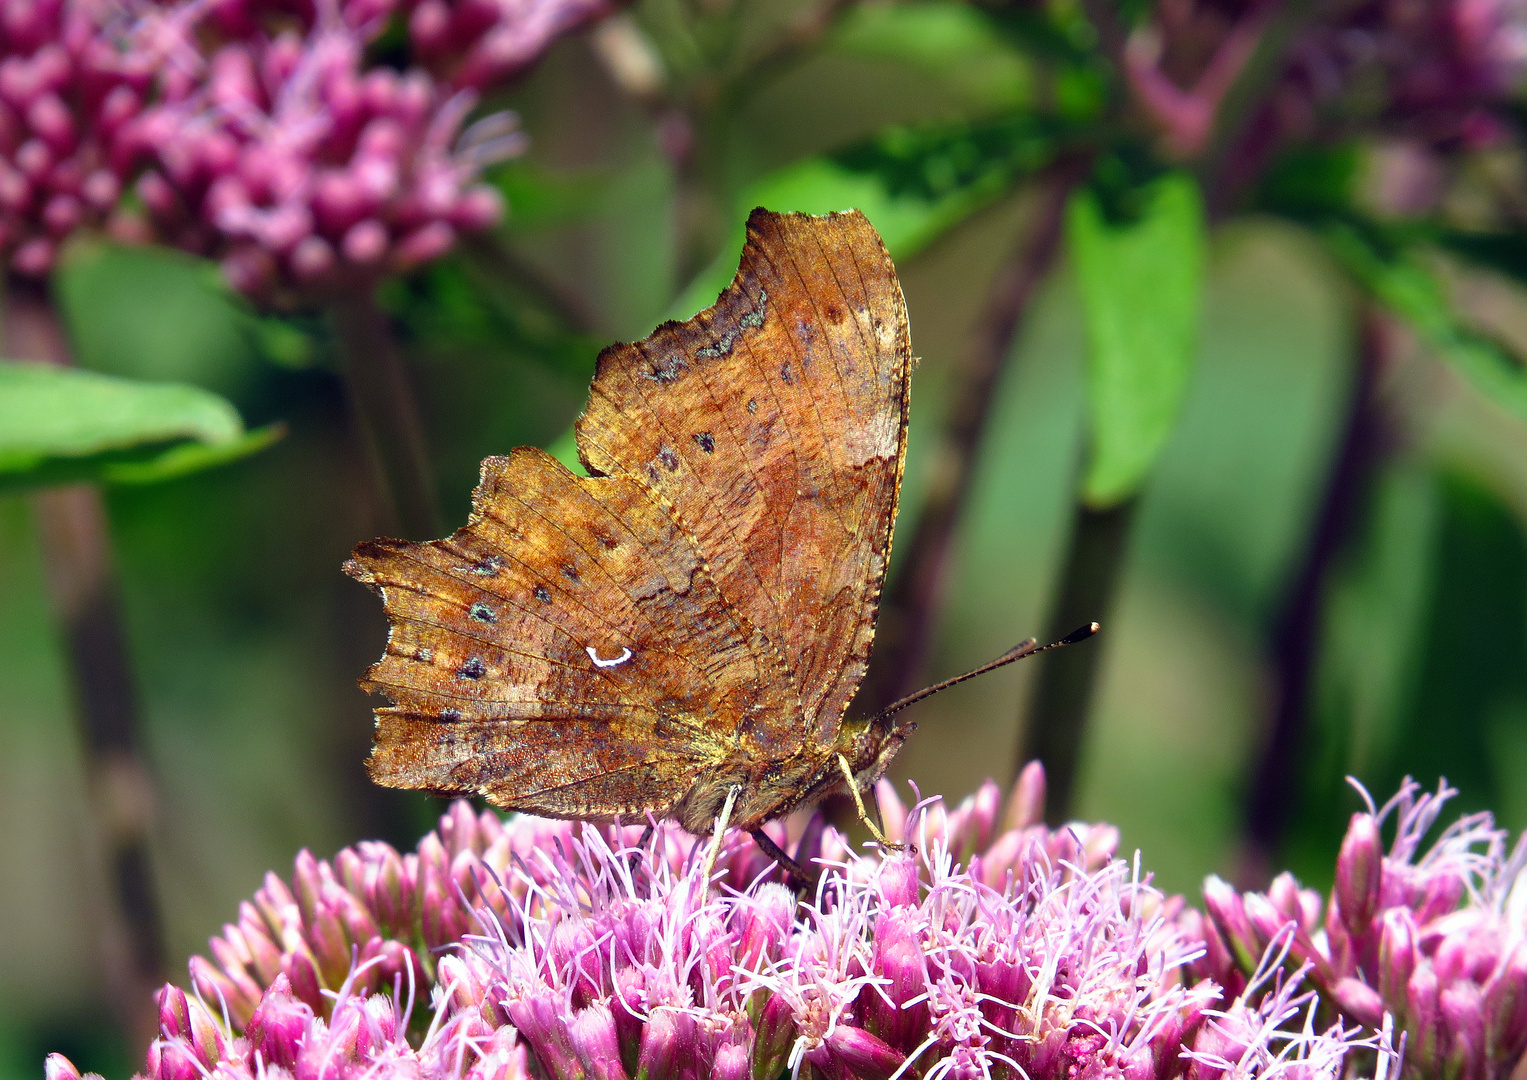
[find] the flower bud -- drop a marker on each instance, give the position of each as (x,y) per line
(898,881)
(1359,874)
(732,1063)
(1421,1026)
(365,242)
(762,925)
(596,1043)
(424,244)
(1228,910)
(893,812)
(1358,1001)
(1461,1010)
(1397,957)
(776,1036)
(479,207)
(538,1016)
(664,1047)
(58,1067)
(862,1054)
(898,959)
(1506,1005)
(278,1026)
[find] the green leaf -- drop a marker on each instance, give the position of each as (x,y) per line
(62,425)
(906,215)
(1141,284)
(1398,279)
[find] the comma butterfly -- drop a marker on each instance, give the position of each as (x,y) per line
(686,626)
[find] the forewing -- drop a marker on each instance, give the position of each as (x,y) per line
(774,425)
(569,633)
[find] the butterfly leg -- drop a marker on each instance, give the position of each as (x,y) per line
(803,878)
(853,789)
(641,845)
(719,833)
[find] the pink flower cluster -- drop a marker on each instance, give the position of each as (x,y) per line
(66,88)
(565,952)
(255,132)
(1434,71)
(1436,940)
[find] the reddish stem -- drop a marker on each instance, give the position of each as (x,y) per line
(386,416)
(82,583)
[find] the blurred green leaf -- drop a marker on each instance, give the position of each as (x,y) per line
(1141,283)
(62,424)
(909,200)
(953,41)
(1398,278)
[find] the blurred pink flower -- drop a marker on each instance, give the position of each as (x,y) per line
(299,169)
(254,132)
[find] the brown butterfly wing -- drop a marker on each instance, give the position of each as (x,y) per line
(489,663)
(774,425)
(733,539)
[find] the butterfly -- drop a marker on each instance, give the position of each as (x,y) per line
(680,632)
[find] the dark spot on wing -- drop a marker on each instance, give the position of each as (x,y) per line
(450,716)
(488,567)
(669,459)
(542,595)
(706,442)
(425,656)
(570,572)
(482,612)
(667,369)
(785,374)
(752,405)
(473,668)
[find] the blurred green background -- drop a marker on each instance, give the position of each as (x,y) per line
(247,640)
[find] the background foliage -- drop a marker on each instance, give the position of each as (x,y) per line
(935,118)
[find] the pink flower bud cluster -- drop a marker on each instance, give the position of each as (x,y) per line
(278,152)
(1437,940)
(566,953)
(1435,71)
(466,44)
(71,75)
(300,170)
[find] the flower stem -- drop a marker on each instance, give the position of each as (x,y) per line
(904,630)
(82,583)
(1057,719)
(1296,629)
(387,416)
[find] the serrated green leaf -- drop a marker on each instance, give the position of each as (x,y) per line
(1141,284)
(63,424)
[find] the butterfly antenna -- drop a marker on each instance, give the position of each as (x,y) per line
(1017,652)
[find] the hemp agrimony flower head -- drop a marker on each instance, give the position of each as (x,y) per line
(1435,939)
(301,170)
(1436,71)
(72,73)
(563,952)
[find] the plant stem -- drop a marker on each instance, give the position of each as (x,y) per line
(1068,677)
(1295,634)
(909,612)
(387,416)
(78,565)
